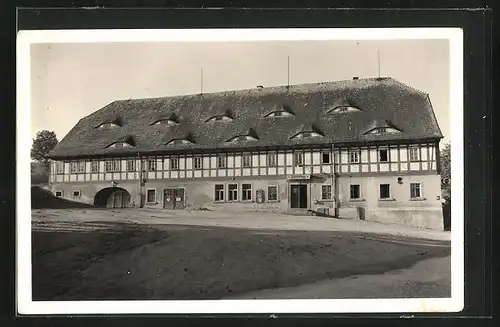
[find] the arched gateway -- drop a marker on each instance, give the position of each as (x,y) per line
(112,197)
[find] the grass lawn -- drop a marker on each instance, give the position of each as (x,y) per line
(128,262)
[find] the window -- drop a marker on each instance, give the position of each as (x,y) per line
(382,130)
(355,192)
(221,161)
(415,190)
(130,165)
(383,155)
(151,164)
(246,192)
(354,157)
(220,118)
(279,114)
(414,154)
(303,135)
(81,166)
(325,158)
(198,163)
(60,167)
(73,166)
(326,192)
(151,195)
(298,159)
(117,165)
(219,192)
(271,159)
(76,193)
(385,192)
(108,167)
(59,193)
(233,192)
(94,166)
(247,160)
(272,193)
(174,164)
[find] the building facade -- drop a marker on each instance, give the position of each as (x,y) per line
(361,149)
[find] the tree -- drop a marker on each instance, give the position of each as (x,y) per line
(445,157)
(44,142)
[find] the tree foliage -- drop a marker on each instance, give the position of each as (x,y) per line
(44,142)
(446,161)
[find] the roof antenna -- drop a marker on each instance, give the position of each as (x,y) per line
(378,58)
(288,69)
(201,81)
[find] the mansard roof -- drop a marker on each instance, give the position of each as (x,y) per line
(380,100)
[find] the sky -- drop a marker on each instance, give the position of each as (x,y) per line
(71,80)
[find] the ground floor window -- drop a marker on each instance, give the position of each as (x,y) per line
(326,192)
(272,193)
(355,192)
(385,191)
(59,193)
(151,195)
(76,193)
(219,192)
(246,192)
(415,190)
(233,192)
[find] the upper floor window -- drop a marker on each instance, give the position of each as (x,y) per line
(117,165)
(174,164)
(81,166)
(130,165)
(108,166)
(73,167)
(247,160)
(414,154)
(59,167)
(298,159)
(151,164)
(198,163)
(383,155)
(271,159)
(354,156)
(94,166)
(221,161)
(112,166)
(326,158)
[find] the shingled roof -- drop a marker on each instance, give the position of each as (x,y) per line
(382,101)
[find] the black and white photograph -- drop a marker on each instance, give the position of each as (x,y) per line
(218,171)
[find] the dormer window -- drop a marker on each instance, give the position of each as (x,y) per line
(279,114)
(164,122)
(383,130)
(108,125)
(168,120)
(303,135)
(120,145)
(220,118)
(123,142)
(243,138)
(344,109)
(281,111)
(179,142)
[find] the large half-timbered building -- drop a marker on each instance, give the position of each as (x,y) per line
(360,149)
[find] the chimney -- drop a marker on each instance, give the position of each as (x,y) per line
(355,78)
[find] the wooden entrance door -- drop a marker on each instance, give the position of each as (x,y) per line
(298,196)
(173,198)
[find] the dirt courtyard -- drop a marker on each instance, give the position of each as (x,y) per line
(90,254)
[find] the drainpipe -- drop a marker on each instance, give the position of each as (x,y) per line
(334,184)
(140,179)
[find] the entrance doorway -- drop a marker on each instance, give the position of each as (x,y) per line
(173,198)
(298,196)
(112,197)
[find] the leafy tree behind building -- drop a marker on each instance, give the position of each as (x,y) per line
(44,142)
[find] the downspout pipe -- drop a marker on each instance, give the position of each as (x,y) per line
(334,184)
